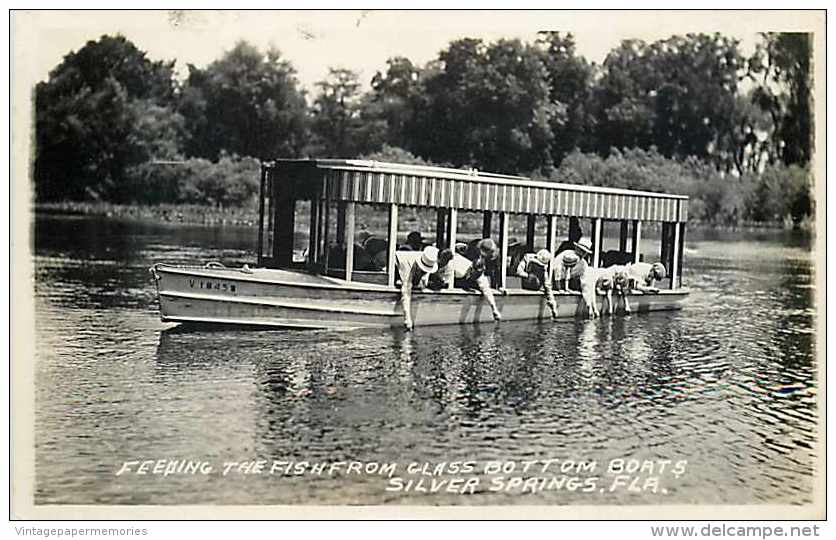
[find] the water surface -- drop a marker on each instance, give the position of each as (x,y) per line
(727,384)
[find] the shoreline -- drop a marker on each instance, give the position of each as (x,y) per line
(192,214)
(186,214)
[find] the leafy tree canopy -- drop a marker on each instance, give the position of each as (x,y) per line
(485,106)
(245,103)
(104,109)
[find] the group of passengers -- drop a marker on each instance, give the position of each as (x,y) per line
(475,267)
(371,252)
(436,269)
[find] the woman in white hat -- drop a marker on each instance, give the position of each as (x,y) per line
(535,269)
(414,269)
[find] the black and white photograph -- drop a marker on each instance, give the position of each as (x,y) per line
(475,264)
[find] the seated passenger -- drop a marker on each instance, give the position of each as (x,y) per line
(535,271)
(414,269)
(337,257)
(614,257)
(414,242)
(378,250)
(455,268)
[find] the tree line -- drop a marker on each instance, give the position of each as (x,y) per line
(689,114)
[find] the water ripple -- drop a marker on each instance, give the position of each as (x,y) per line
(728,384)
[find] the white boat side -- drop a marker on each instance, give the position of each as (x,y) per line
(283,298)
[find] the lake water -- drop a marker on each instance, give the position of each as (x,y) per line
(725,388)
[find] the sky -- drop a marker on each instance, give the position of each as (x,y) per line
(362,41)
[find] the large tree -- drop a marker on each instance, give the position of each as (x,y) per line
(485,106)
(391,100)
(781,64)
(570,79)
(103,110)
(677,94)
(246,103)
(337,124)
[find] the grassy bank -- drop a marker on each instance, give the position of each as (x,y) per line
(168,213)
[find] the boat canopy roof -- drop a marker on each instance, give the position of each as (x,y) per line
(471,190)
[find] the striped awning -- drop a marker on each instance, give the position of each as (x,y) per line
(435,187)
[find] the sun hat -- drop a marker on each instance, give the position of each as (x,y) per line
(544,256)
(584,245)
(570,259)
(659,270)
(414,237)
(429,259)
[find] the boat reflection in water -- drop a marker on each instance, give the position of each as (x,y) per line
(583,390)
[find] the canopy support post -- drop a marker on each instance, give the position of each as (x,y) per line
(326,224)
(665,246)
(551,238)
(675,258)
(321,227)
(622,237)
(313,241)
(531,224)
(261,194)
(341,222)
(487,218)
(440,222)
(637,239)
(349,240)
(681,251)
(503,249)
(597,241)
(453,217)
(285,209)
(393,242)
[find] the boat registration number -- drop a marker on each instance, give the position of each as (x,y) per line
(213,285)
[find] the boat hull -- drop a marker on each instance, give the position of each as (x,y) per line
(279,298)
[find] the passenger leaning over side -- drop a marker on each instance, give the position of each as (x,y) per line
(570,266)
(414,269)
(536,273)
(458,269)
(487,261)
(641,276)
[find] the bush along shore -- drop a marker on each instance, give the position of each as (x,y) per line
(247,216)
